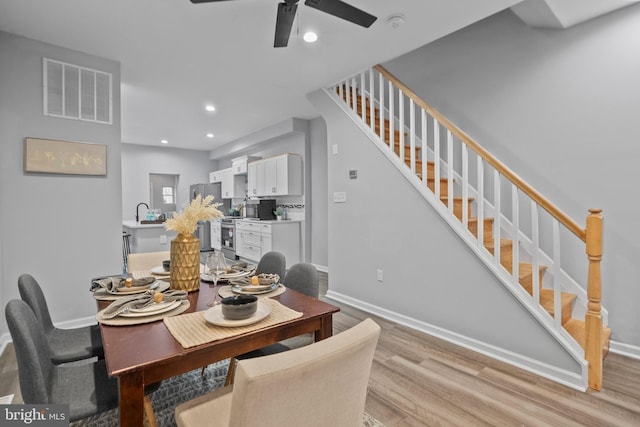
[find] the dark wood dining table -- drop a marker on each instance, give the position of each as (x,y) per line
(143,354)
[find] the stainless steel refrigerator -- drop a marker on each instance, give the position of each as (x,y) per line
(203,232)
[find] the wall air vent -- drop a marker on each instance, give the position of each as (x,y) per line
(74,92)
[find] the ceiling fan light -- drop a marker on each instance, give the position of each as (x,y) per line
(310,37)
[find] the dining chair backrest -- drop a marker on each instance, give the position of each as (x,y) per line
(322,384)
(144,261)
(32,352)
(303,277)
(31,293)
(272,263)
(65,344)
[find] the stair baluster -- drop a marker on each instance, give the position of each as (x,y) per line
(593,331)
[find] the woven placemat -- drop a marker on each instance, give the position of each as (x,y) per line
(127,321)
(191,329)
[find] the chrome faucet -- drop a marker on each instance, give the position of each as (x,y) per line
(137,207)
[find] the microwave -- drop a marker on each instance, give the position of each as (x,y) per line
(260,209)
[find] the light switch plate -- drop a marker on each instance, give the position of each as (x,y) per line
(339,197)
(334,148)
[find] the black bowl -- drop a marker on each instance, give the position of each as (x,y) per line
(239,307)
(166,264)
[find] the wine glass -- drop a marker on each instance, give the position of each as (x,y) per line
(217,266)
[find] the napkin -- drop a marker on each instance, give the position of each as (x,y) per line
(111,284)
(140,301)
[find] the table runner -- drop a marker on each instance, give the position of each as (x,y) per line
(191,329)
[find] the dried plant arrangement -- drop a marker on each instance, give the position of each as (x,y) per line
(199,209)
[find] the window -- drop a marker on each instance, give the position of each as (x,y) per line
(167,195)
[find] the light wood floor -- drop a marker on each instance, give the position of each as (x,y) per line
(418,380)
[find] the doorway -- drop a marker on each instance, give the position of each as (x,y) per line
(163,191)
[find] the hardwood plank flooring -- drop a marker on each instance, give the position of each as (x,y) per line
(419,380)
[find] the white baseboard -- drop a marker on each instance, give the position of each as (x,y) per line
(629,350)
(570,379)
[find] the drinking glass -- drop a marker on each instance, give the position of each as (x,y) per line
(217,266)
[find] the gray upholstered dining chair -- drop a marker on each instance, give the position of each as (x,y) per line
(86,387)
(301,277)
(67,345)
(272,263)
(322,384)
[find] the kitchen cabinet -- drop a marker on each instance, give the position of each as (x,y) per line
(216,176)
(255,238)
(240,165)
(216,235)
(276,176)
(233,186)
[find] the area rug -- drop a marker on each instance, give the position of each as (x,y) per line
(179,389)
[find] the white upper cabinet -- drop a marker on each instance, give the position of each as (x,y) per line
(216,176)
(233,186)
(240,165)
(276,176)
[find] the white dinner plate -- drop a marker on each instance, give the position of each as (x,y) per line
(159,270)
(254,290)
(152,310)
(215,317)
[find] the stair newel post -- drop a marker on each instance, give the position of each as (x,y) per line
(593,321)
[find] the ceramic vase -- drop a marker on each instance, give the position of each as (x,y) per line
(185,263)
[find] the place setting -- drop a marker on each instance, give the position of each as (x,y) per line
(111,288)
(261,285)
(145,307)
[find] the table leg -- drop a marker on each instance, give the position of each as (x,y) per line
(131,399)
(326,330)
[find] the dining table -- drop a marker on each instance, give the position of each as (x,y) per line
(146,353)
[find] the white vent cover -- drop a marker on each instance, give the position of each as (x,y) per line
(75,92)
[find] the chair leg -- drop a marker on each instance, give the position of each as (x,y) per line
(148,411)
(230,372)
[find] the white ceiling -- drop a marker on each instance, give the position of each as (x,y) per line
(177,56)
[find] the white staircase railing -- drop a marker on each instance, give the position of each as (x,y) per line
(449,168)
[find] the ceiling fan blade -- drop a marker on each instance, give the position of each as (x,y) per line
(284,23)
(343,10)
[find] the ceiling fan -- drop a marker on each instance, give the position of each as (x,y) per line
(287,12)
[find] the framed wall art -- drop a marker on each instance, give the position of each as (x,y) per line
(64,157)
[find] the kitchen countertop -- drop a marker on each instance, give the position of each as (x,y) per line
(134,224)
(269,221)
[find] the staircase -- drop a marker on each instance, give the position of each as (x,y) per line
(435,156)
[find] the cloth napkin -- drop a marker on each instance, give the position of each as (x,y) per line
(140,301)
(111,284)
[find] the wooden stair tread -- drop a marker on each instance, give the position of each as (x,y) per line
(547,300)
(577,330)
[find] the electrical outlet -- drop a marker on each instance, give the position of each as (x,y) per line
(334,149)
(163,239)
(380,275)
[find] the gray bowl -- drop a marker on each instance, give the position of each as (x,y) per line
(239,307)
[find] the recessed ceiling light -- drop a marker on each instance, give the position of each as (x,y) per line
(164,141)
(310,37)
(210,108)
(209,135)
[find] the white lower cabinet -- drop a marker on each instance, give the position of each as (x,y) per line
(255,238)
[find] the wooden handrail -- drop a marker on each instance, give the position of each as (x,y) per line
(562,217)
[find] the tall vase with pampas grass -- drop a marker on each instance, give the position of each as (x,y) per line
(185,248)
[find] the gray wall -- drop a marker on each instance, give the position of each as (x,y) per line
(319,195)
(62,229)
(138,161)
(561,109)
